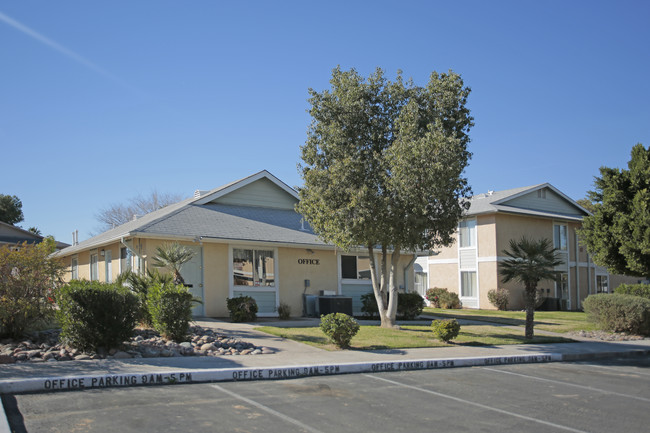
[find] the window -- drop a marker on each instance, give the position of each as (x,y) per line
(560,237)
(108,266)
(125,259)
(355,267)
(541,193)
(75,268)
(562,286)
(94,271)
(467,233)
(253,267)
(421,283)
(468,287)
(602,284)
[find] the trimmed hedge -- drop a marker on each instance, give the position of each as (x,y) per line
(642,290)
(443,298)
(170,308)
(409,305)
(242,309)
(94,314)
(619,313)
(339,328)
(445,330)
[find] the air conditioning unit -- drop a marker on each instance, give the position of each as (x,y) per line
(327,293)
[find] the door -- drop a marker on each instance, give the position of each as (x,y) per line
(192,273)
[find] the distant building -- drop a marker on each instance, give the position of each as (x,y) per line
(470,266)
(12,235)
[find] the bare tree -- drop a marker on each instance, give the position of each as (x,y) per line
(118,213)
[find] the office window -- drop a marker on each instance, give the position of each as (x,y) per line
(253,267)
(125,259)
(355,267)
(602,284)
(108,266)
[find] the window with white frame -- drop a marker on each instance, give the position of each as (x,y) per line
(74,265)
(468,286)
(125,259)
(108,266)
(355,267)
(560,237)
(94,270)
(467,233)
(252,267)
(602,284)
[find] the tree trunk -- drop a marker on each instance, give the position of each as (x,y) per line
(530,311)
(386,305)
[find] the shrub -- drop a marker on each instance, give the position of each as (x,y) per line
(140,284)
(28,279)
(445,330)
(94,314)
(443,298)
(242,309)
(433,295)
(619,313)
(170,307)
(340,328)
(409,305)
(642,290)
(284,311)
(498,298)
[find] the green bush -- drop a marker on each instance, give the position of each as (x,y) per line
(619,313)
(443,298)
(498,298)
(409,305)
(242,309)
(94,314)
(445,330)
(284,311)
(170,308)
(29,277)
(433,295)
(642,290)
(140,284)
(340,328)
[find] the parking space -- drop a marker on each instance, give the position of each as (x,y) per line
(595,397)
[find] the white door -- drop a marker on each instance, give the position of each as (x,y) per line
(192,273)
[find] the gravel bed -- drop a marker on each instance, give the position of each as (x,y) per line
(606,336)
(44,346)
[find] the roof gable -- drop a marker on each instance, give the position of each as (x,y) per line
(260,190)
(544,199)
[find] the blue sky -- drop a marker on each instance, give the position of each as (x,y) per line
(102,101)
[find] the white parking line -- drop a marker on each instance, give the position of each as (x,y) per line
(267,409)
(482,406)
(617,369)
(590,388)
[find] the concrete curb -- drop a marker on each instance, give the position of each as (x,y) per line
(63,383)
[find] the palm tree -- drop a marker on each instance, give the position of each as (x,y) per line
(173,256)
(529,262)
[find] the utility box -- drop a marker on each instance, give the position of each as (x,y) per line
(310,305)
(335,304)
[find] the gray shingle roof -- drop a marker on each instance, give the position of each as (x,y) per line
(212,221)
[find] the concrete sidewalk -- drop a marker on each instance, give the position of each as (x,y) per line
(298,359)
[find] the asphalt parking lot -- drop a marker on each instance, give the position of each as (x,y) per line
(604,396)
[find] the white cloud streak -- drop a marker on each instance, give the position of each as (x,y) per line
(65,51)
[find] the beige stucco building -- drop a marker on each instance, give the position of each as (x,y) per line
(248,240)
(470,266)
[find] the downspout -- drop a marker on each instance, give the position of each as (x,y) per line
(406,268)
(577,272)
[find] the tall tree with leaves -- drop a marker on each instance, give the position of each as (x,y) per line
(383,168)
(618,232)
(11,209)
(529,262)
(173,256)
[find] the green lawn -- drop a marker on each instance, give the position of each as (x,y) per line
(374,337)
(555,321)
